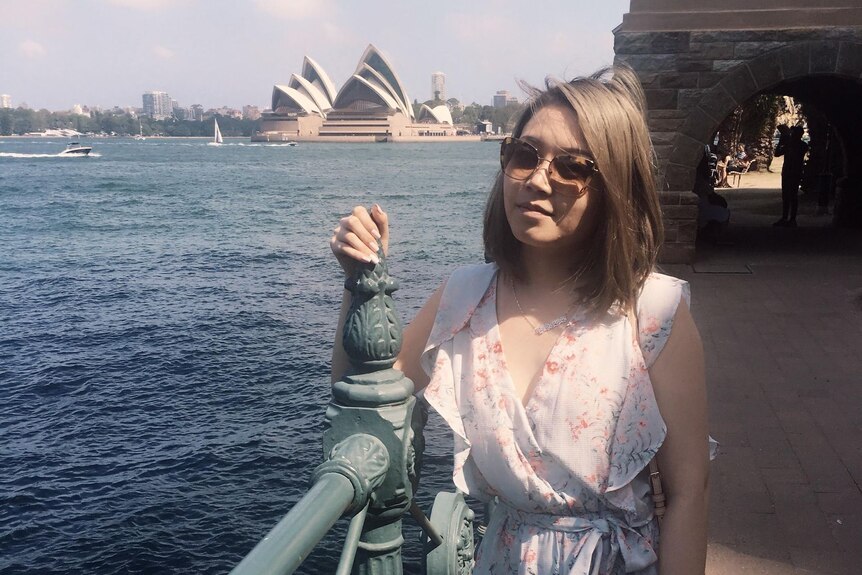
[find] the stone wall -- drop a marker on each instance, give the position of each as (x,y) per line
(694,79)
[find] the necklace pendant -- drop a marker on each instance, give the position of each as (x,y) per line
(551,325)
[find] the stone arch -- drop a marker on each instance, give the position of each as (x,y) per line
(842,59)
(693,77)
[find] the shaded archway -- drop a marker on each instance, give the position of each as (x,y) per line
(826,74)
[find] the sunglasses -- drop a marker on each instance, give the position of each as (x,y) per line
(520,160)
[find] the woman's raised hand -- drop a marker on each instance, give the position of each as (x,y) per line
(358,236)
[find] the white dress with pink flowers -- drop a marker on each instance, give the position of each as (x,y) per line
(569,468)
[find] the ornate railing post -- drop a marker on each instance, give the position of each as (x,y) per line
(375,399)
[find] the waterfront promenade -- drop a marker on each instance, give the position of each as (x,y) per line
(780,313)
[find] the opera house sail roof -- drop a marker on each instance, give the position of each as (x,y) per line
(310,93)
(372,103)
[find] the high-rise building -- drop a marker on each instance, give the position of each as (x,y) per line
(502,99)
(196,112)
(5,101)
(157,105)
(438,86)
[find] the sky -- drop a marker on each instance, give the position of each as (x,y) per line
(58,53)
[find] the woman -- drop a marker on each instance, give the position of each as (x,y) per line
(566,365)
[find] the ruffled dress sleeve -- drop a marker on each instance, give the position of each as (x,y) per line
(445,352)
(656,309)
(640,429)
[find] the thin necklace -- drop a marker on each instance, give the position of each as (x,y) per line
(539,329)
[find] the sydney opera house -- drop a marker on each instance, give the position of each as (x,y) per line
(371,106)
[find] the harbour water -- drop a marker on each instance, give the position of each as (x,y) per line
(167,314)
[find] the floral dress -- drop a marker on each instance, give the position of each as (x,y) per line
(569,467)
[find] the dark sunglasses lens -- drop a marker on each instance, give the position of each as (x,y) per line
(519,159)
(572,168)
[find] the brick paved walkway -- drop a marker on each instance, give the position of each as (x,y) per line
(780,312)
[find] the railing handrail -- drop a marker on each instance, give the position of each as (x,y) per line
(292,539)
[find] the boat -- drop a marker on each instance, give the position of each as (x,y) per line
(291,143)
(76,149)
(217,139)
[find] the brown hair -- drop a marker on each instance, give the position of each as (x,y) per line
(623,250)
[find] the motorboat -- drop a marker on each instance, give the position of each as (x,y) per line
(76,149)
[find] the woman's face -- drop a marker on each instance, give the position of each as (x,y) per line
(543,213)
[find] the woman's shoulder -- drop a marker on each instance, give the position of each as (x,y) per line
(463,291)
(663,286)
(656,310)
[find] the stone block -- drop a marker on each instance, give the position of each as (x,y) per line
(712,50)
(651,62)
(686,212)
(679,176)
(678,80)
(662,138)
(669,198)
(688,99)
(700,125)
(717,103)
(651,42)
(709,79)
(836,33)
(725,65)
(688,199)
(693,65)
(750,50)
(670,234)
(766,70)
(712,36)
(687,231)
(740,84)
(660,125)
(687,151)
(794,61)
(676,253)
(667,114)
(662,153)
(824,57)
(679,213)
(849,59)
(649,80)
(661,99)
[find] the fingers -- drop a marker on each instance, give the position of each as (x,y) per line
(358,238)
(381,218)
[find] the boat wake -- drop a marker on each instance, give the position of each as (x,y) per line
(18,155)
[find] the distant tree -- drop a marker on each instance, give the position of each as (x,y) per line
(6,122)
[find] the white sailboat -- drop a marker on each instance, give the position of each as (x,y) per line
(217,139)
(140,135)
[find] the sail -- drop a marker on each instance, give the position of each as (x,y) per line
(217,138)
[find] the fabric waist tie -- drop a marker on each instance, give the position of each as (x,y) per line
(599,534)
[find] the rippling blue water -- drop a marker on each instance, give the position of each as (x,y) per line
(167,313)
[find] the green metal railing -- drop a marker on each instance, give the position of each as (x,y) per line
(373,448)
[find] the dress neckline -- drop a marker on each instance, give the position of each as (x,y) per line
(497,337)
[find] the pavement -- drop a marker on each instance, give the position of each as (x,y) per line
(780,315)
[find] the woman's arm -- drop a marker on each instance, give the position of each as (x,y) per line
(354,242)
(680,388)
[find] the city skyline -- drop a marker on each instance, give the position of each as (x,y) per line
(222,53)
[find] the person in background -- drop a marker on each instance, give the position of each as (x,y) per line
(566,364)
(793,149)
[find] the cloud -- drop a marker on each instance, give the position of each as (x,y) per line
(162,52)
(31,49)
(143,5)
(295,9)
